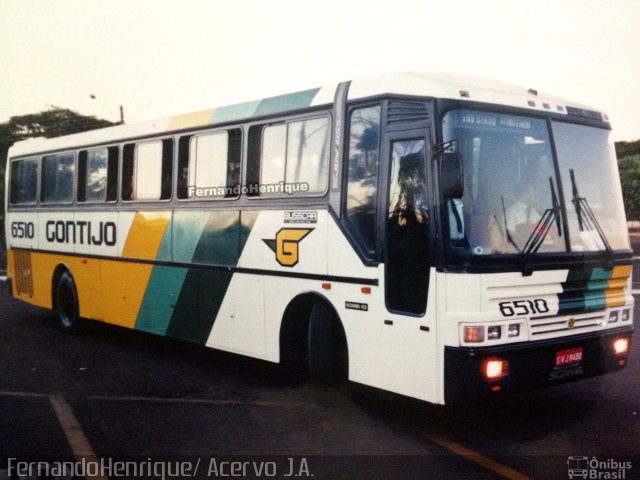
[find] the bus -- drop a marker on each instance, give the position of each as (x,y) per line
(438,236)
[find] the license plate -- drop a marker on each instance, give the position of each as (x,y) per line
(570,356)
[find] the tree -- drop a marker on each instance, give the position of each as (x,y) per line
(630,176)
(626,149)
(54,122)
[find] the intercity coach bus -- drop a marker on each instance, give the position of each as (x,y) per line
(442,237)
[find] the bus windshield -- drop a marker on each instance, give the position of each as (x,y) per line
(589,153)
(511,188)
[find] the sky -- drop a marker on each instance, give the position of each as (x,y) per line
(164,57)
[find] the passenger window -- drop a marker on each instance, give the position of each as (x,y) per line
(24,181)
(362,175)
(289,159)
(307,154)
(58,172)
(209,165)
(274,144)
(147,170)
(98,175)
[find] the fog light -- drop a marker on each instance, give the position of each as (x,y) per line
(613,316)
(494,333)
(495,369)
(621,346)
(474,334)
(514,330)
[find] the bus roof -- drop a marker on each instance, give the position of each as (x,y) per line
(437,85)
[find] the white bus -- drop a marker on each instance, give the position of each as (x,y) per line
(441,237)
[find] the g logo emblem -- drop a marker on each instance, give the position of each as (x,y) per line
(286,245)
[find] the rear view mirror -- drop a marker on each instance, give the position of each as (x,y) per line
(452,175)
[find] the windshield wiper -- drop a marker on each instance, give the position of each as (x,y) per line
(586,218)
(506,228)
(541,230)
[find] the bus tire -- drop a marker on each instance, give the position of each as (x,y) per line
(66,303)
(328,354)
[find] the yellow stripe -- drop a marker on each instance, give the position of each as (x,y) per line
(492,465)
(124,284)
(145,235)
(615,295)
(75,436)
(189,120)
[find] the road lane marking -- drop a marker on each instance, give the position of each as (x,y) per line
(75,436)
(475,457)
(24,394)
(203,401)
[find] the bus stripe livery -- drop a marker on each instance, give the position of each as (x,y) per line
(441,237)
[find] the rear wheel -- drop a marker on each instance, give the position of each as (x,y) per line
(66,302)
(328,352)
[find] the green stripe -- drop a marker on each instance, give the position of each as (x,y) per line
(235,112)
(221,242)
(584,290)
(283,103)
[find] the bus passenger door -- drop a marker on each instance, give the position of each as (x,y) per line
(406,222)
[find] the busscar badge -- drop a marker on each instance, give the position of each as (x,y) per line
(286,245)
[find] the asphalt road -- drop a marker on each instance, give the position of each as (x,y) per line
(107,392)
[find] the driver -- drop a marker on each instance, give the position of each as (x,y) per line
(522,212)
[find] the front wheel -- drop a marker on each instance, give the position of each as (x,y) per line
(66,302)
(328,352)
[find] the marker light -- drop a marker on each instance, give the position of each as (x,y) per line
(514,330)
(626,315)
(494,332)
(473,334)
(621,346)
(495,369)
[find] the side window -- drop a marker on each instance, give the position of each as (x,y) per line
(98,175)
(58,173)
(307,158)
(289,158)
(24,181)
(274,150)
(209,165)
(362,174)
(146,171)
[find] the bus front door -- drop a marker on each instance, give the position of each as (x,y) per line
(407,223)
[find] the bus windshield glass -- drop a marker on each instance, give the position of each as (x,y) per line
(509,183)
(511,189)
(594,189)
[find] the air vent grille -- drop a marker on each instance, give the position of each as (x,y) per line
(403,111)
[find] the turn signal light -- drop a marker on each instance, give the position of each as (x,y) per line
(495,369)
(474,334)
(621,346)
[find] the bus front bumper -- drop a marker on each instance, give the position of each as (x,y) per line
(472,372)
